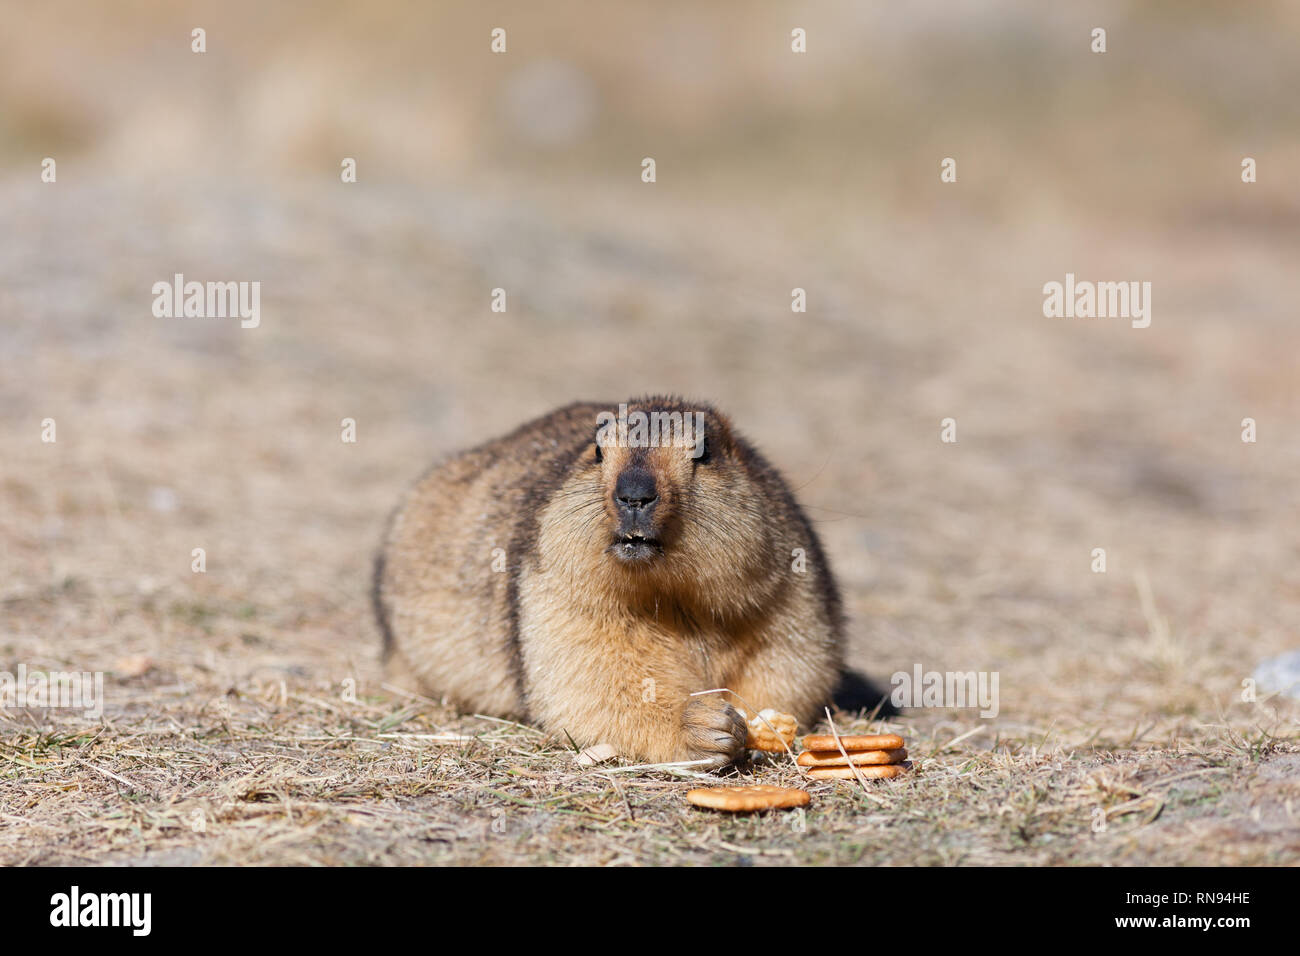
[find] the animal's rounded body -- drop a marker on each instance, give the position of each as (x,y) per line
(590,578)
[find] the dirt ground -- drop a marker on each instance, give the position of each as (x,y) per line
(228,735)
(246,720)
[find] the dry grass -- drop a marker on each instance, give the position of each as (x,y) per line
(274,775)
(1118,691)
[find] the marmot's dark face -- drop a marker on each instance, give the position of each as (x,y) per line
(677,502)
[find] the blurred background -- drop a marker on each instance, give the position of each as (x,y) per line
(775,170)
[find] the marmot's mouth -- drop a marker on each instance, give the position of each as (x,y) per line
(635,546)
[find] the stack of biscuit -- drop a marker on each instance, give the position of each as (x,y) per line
(868,756)
(825,756)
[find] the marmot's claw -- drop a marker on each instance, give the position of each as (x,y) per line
(713,729)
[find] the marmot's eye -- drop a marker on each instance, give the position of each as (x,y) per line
(704,453)
(600,456)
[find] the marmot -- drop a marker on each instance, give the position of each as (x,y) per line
(592,569)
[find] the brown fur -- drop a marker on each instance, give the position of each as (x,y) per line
(573,638)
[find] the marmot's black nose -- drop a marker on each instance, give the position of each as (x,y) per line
(635,491)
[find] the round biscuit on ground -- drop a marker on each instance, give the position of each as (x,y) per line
(748,799)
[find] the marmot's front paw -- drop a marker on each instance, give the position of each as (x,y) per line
(712,729)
